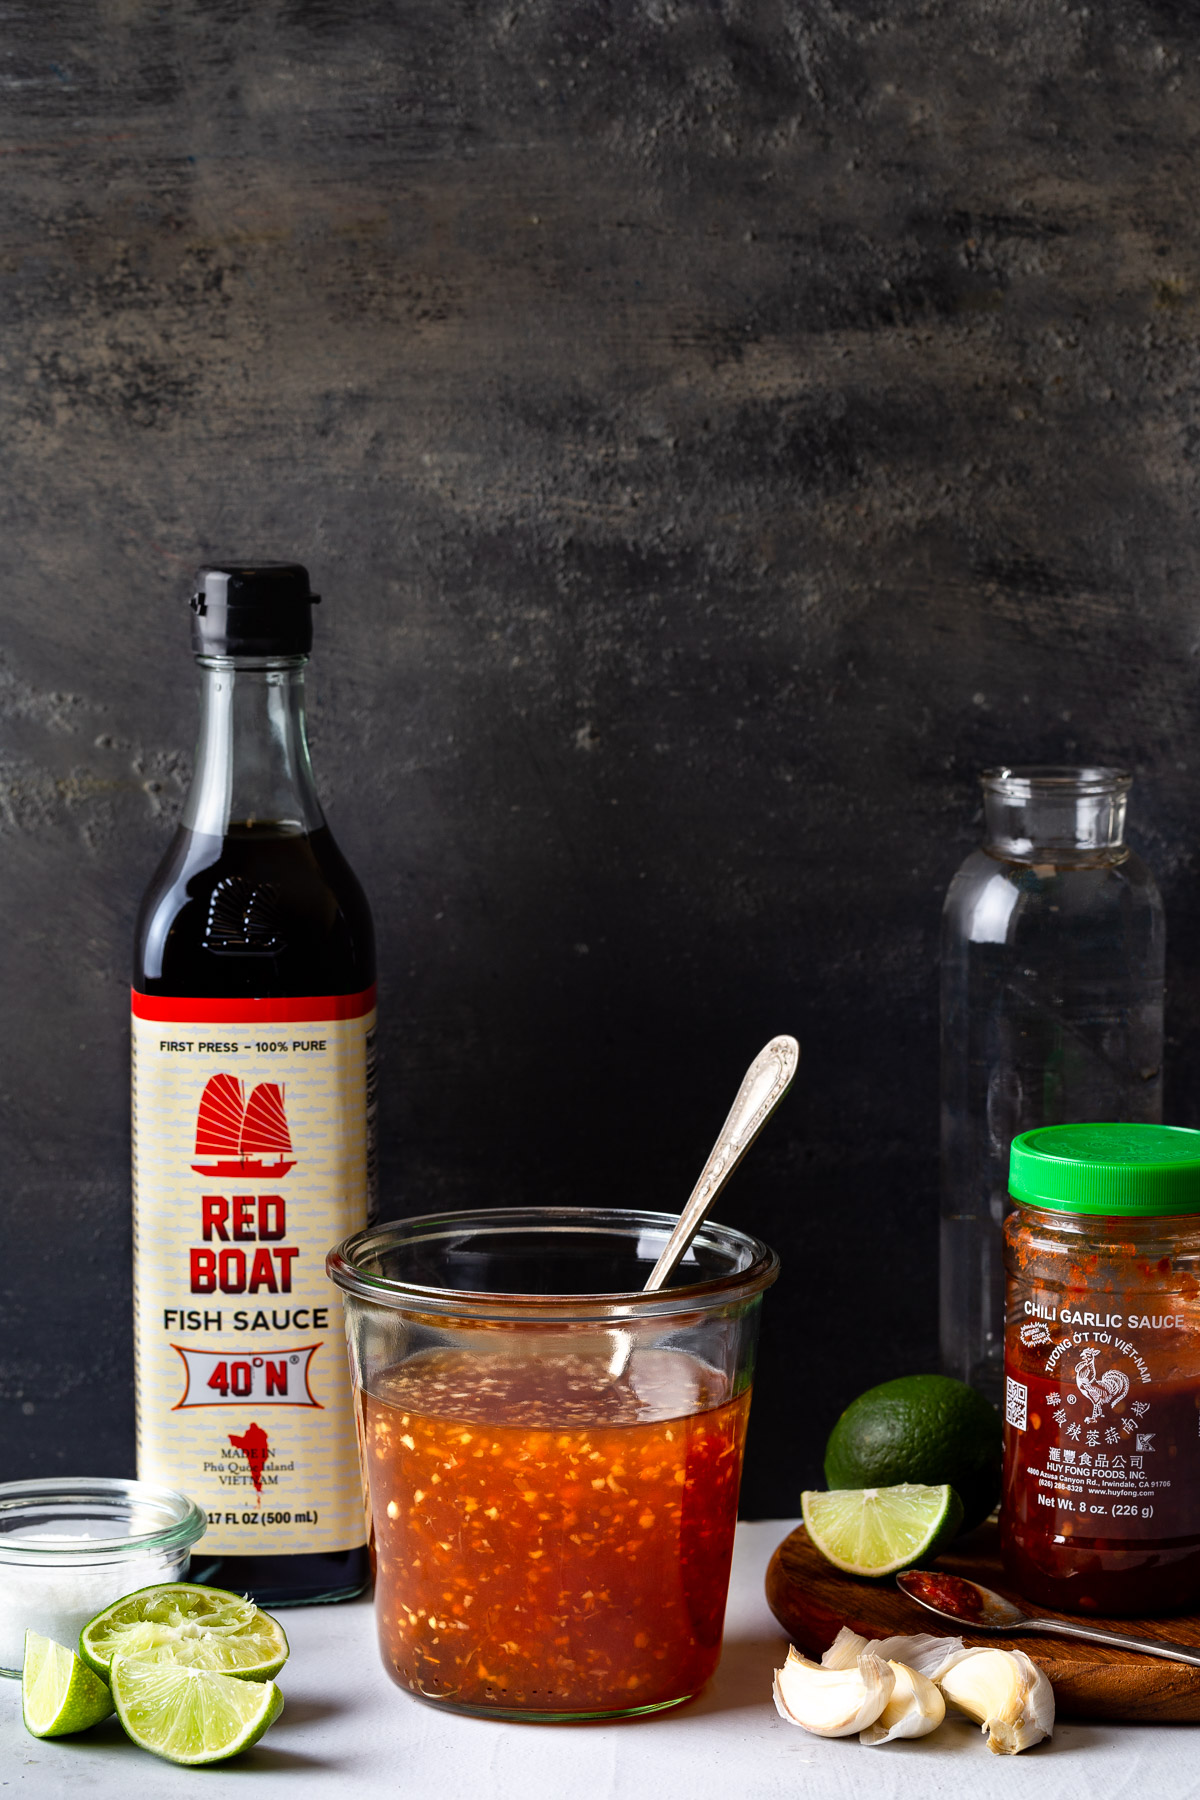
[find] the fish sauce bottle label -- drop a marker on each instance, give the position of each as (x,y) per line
(251,1162)
(253,1027)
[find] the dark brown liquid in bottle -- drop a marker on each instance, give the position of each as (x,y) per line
(270,911)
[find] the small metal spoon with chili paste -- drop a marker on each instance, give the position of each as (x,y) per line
(980,1608)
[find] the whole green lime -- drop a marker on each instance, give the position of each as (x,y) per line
(920,1428)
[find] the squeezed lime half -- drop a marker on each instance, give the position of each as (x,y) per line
(194,1627)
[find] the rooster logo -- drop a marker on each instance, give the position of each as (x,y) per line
(1102,1390)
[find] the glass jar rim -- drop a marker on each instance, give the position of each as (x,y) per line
(178,1521)
(759,1266)
(1024,781)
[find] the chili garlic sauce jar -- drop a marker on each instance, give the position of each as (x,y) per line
(1101,1509)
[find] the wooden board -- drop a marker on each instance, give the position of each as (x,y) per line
(812,1600)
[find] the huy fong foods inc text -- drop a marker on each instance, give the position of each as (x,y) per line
(221,1265)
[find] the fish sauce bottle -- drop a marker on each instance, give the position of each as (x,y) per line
(253,1100)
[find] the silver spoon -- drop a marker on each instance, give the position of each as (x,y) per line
(764,1084)
(980,1608)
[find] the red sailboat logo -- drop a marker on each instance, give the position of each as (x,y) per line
(242,1134)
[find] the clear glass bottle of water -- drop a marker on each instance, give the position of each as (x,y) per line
(1053,944)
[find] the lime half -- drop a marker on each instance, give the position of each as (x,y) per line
(877,1530)
(196,1627)
(920,1428)
(59,1694)
(191,1715)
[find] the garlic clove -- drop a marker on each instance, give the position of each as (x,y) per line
(1006,1692)
(845,1650)
(915,1708)
(832,1702)
(924,1651)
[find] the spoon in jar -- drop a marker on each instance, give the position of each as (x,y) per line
(764,1084)
(980,1608)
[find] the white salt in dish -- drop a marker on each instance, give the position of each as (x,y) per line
(73,1545)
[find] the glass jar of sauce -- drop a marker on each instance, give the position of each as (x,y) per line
(1101,1508)
(551,1456)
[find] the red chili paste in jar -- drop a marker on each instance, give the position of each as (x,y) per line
(549,1539)
(1101,1506)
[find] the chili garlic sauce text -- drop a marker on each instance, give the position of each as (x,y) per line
(549,1539)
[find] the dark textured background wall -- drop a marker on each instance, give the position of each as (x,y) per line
(718,430)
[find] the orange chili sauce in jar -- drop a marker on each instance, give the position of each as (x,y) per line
(551,1541)
(1101,1506)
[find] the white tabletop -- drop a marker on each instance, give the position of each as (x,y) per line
(346,1726)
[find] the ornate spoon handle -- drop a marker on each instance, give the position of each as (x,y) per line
(764,1084)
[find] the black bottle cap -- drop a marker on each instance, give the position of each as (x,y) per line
(252,609)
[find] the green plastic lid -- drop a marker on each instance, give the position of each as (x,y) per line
(1109,1169)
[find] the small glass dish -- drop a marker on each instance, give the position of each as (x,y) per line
(71,1545)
